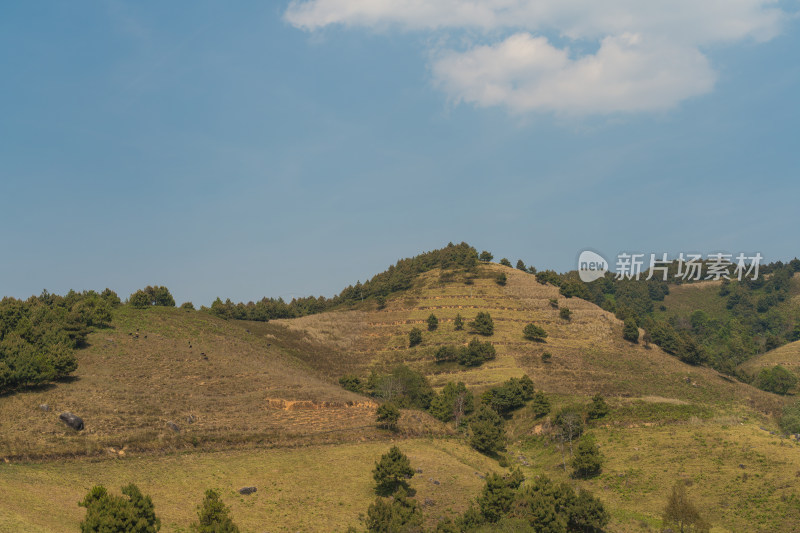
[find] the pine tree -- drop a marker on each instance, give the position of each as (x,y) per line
(488,435)
(598,408)
(630,331)
(387,416)
(483,324)
(587,461)
(414,337)
(533,332)
(486,256)
(214,515)
(540,404)
(391,472)
(433,322)
(106,512)
(458,323)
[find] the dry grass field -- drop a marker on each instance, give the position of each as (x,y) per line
(310,489)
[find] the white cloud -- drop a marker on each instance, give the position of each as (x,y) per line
(648,54)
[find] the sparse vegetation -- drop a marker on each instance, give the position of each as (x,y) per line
(681,513)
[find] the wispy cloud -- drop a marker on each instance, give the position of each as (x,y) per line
(644,56)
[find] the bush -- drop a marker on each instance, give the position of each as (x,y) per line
(446,354)
(483,324)
(387,416)
(352,383)
(776,379)
(402,386)
(488,435)
(546,357)
(391,472)
(498,494)
(681,513)
(187,305)
(790,419)
(510,395)
(501,279)
(630,331)
(433,322)
(598,408)
(399,514)
(540,404)
(120,514)
(214,516)
(476,352)
(565,313)
(587,461)
(150,296)
(414,337)
(453,402)
(458,323)
(532,332)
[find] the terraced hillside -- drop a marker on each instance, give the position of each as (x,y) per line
(588,352)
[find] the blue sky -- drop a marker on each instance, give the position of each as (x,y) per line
(285,150)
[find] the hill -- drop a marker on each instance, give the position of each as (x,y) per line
(589,355)
(218,383)
(788,356)
(259,403)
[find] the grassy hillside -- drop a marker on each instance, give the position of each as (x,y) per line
(217,382)
(258,403)
(588,353)
(788,356)
(313,489)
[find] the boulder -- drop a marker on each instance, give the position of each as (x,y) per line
(44,407)
(73,421)
(247,490)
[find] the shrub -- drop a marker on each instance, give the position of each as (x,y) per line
(214,516)
(501,279)
(391,472)
(352,383)
(630,331)
(498,494)
(187,305)
(587,461)
(402,386)
(510,395)
(505,262)
(387,416)
(488,435)
(565,313)
(476,352)
(483,324)
(131,513)
(790,419)
(598,408)
(453,402)
(458,323)
(414,337)
(540,404)
(445,354)
(433,322)
(533,332)
(546,357)
(551,508)
(681,513)
(486,256)
(776,379)
(399,514)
